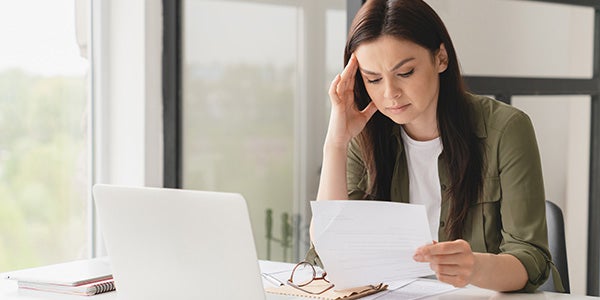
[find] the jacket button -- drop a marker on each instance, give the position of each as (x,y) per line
(443,187)
(442,223)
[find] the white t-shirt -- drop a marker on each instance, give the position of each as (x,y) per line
(423,177)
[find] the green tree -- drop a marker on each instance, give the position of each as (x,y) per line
(42,162)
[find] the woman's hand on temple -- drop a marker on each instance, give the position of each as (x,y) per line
(346,121)
(453,262)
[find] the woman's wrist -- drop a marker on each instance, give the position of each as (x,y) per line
(478,265)
(335,147)
(508,272)
(332,185)
(335,144)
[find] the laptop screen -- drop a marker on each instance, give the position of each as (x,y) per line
(178,244)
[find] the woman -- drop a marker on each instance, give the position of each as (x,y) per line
(403,128)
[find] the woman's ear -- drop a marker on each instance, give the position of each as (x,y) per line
(441,59)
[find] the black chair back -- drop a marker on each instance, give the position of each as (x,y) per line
(557,246)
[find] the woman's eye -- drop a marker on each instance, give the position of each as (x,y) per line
(407,74)
(374,81)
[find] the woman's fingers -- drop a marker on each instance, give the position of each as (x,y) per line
(346,120)
(445,253)
(456,281)
(332,89)
(345,87)
(444,248)
(453,262)
(458,275)
(351,71)
(448,270)
(448,259)
(369,111)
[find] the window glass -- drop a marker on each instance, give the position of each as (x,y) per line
(247,96)
(240,85)
(43,162)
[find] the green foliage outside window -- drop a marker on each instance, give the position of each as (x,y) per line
(43,169)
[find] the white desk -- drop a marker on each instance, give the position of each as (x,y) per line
(9,291)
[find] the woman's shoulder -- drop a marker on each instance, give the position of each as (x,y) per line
(490,114)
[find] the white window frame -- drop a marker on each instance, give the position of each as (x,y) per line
(126,88)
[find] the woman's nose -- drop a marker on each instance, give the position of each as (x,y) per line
(391,91)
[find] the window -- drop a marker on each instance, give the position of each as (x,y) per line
(255,107)
(43,135)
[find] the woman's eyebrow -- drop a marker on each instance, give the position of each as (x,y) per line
(396,67)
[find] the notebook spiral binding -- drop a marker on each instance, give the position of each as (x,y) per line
(104,287)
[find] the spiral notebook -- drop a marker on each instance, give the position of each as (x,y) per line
(80,290)
(80,277)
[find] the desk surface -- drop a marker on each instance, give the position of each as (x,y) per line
(9,291)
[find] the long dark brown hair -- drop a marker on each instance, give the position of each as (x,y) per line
(415,21)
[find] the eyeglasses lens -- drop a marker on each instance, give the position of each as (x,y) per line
(303,274)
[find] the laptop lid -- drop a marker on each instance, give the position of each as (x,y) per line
(178,244)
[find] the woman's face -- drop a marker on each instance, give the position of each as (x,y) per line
(402,79)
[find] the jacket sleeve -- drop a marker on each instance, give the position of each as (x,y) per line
(356,173)
(524,232)
(356,183)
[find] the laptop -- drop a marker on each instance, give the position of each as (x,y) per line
(178,244)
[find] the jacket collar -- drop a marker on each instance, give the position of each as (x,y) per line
(478,118)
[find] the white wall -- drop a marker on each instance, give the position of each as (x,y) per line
(526,38)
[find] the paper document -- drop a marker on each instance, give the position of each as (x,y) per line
(275,273)
(369,242)
(416,290)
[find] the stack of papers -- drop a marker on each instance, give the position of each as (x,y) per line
(417,289)
(364,243)
(369,242)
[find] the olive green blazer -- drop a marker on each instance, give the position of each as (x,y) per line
(510,216)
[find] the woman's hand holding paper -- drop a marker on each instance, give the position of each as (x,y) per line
(453,262)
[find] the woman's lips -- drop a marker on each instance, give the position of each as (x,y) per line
(398,108)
